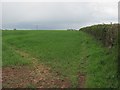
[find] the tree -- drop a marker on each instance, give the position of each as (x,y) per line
(14,29)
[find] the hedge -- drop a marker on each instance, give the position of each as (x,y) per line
(106,33)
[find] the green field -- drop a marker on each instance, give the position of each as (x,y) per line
(68,52)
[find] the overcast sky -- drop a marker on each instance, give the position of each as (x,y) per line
(57,15)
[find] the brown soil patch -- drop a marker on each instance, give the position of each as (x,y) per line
(24,77)
(37,76)
(81,80)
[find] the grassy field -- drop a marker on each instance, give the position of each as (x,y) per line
(68,52)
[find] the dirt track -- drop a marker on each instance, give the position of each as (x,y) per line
(37,76)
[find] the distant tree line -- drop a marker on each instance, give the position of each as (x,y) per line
(71,30)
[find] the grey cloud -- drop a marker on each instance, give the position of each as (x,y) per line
(54,15)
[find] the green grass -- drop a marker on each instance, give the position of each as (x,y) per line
(68,52)
(11,58)
(31,87)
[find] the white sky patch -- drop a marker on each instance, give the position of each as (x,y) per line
(0,16)
(59,0)
(57,15)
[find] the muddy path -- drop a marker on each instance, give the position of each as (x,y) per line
(37,75)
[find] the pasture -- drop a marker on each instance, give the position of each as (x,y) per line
(76,57)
